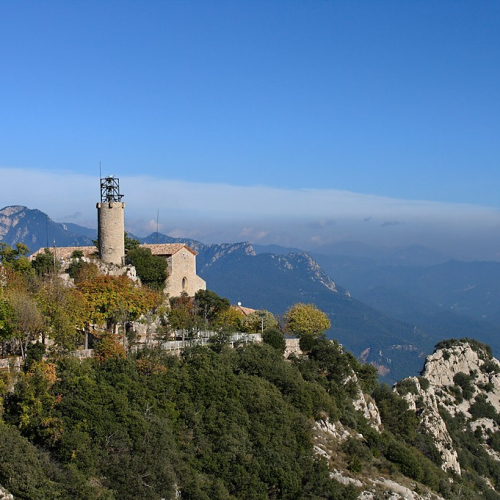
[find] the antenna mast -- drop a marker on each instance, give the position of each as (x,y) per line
(157,224)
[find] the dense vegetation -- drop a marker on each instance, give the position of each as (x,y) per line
(213,423)
(234,424)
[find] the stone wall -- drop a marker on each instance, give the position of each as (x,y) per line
(292,347)
(111,230)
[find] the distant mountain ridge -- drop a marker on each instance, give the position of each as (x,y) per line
(388,326)
(19,224)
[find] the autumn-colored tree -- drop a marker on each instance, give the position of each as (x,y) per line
(115,300)
(65,311)
(25,320)
(107,347)
(81,270)
(306,321)
(228,320)
(258,321)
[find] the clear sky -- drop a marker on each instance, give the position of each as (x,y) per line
(241,119)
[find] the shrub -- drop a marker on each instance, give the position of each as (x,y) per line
(274,338)
(482,408)
(424,383)
(464,381)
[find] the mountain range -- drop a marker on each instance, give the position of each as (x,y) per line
(387,307)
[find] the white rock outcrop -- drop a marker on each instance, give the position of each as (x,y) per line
(433,423)
(481,373)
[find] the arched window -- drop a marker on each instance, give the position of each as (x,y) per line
(184,284)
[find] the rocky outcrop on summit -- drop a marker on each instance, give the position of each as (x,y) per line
(461,379)
(305,261)
(211,254)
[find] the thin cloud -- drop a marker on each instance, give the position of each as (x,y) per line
(215,213)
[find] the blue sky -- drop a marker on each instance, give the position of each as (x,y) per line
(390,103)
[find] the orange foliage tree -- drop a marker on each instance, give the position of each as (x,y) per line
(115,300)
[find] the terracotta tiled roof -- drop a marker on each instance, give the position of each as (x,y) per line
(65,252)
(167,248)
(160,249)
(244,310)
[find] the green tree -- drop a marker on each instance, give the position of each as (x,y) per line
(208,305)
(15,258)
(274,338)
(151,269)
(307,322)
(45,263)
(130,243)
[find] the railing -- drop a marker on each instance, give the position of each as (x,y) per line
(201,339)
(205,338)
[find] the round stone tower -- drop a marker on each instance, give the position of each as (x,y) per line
(111,222)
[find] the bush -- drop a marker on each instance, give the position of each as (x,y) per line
(274,338)
(482,408)
(464,381)
(424,383)
(407,386)
(151,269)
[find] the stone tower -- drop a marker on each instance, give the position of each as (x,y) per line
(111,222)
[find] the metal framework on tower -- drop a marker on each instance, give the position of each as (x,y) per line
(110,189)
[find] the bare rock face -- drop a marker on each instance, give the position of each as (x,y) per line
(431,421)
(366,406)
(463,378)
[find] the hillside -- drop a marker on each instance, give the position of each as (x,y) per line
(223,424)
(276,282)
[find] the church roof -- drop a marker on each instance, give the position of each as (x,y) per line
(65,252)
(167,248)
(163,249)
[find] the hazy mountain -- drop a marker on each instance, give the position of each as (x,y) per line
(412,255)
(407,310)
(163,238)
(275,249)
(84,231)
(276,282)
(437,320)
(466,288)
(35,229)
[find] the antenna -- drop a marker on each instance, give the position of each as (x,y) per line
(157,223)
(100,170)
(54,256)
(47,229)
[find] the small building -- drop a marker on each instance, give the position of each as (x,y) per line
(181,267)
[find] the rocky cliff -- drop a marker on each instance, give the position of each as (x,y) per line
(457,398)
